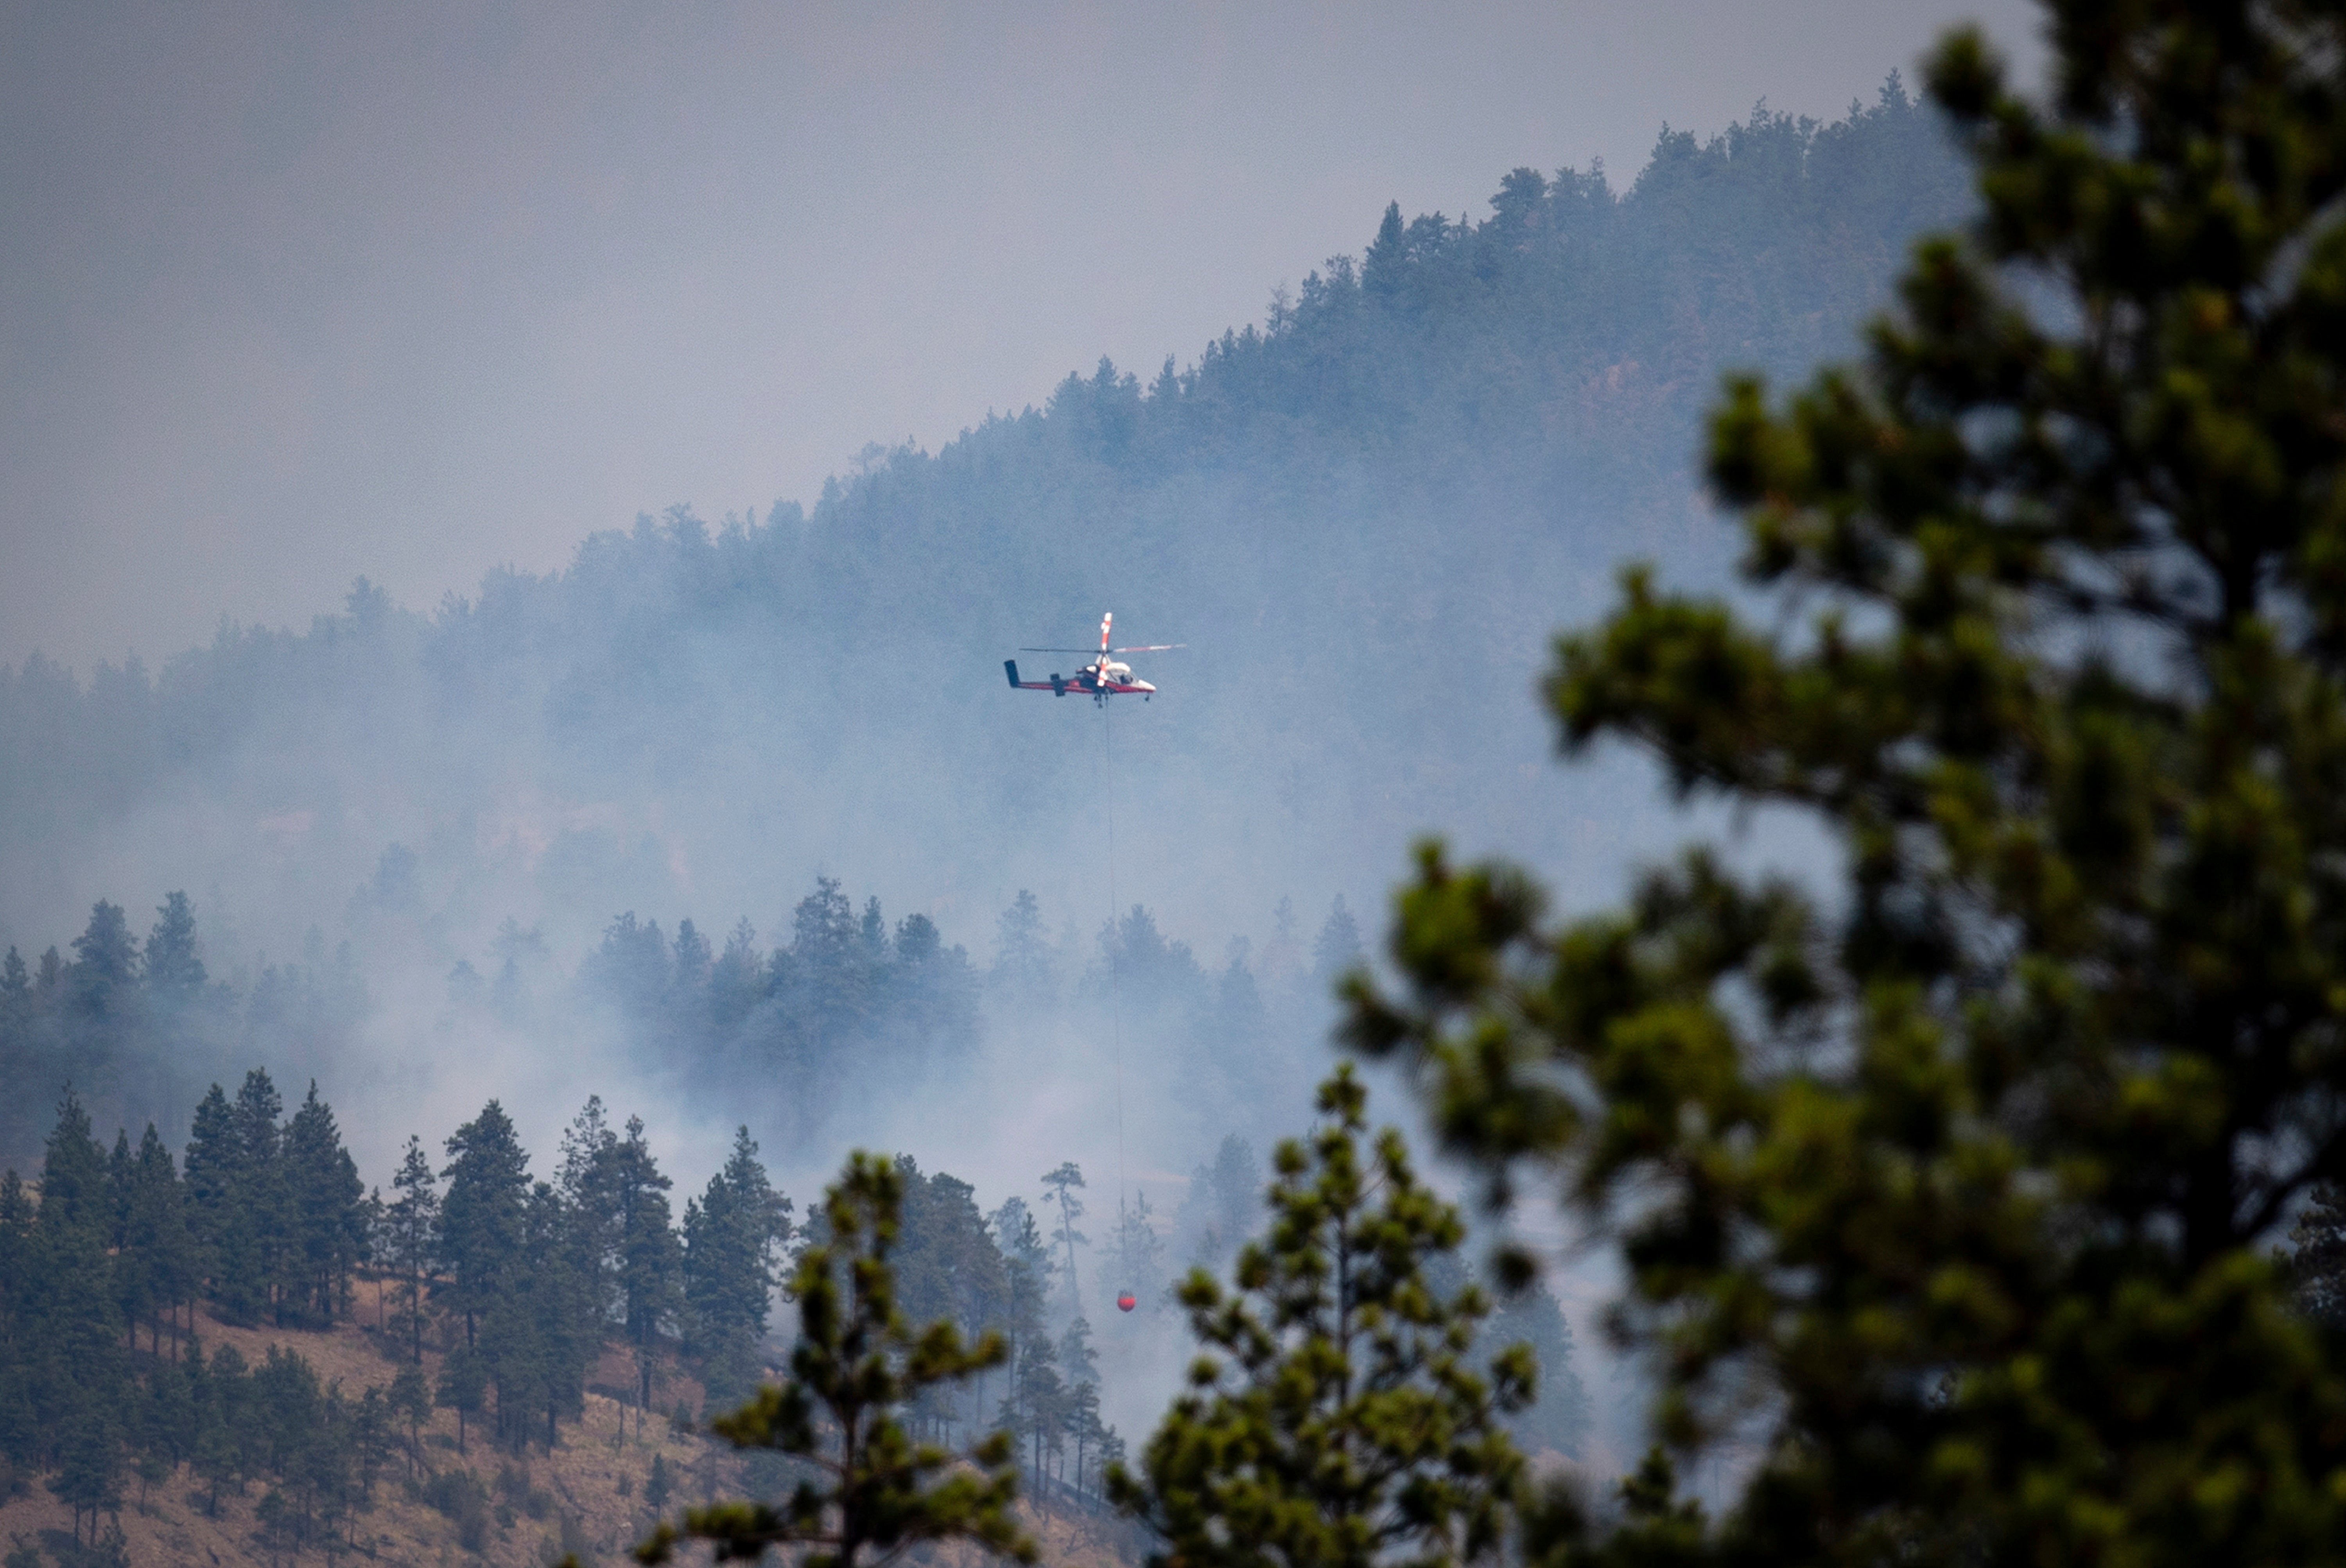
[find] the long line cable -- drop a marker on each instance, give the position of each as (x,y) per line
(1116,955)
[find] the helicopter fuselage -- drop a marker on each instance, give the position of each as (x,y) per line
(1103,678)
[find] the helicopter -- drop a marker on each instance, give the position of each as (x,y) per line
(1102,678)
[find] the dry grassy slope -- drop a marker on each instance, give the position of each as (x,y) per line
(595,1478)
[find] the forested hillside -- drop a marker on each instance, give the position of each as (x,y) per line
(253,1336)
(1362,515)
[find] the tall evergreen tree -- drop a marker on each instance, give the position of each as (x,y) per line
(172,967)
(539,1329)
(650,1261)
(1079,1418)
(106,961)
(20,1433)
(1037,1410)
(736,981)
(732,1234)
(221,1232)
(482,1213)
(77,1379)
(259,1234)
(77,1199)
(1063,1182)
(1027,1273)
(157,1245)
(589,1155)
(409,1239)
(1337,1417)
(326,1203)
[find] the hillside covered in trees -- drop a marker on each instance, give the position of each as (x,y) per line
(154,1312)
(1362,513)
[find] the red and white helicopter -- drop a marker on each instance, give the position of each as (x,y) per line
(1102,678)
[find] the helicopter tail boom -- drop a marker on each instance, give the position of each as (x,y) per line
(1055,684)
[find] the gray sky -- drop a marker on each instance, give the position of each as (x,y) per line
(289,293)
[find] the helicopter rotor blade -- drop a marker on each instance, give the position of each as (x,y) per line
(1058,650)
(1150,647)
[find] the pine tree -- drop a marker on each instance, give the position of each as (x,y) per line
(732,1233)
(736,981)
(690,966)
(20,1433)
(650,1260)
(947,1267)
(255,1263)
(1337,1418)
(216,1224)
(1382,265)
(1022,968)
(482,1213)
(857,1366)
(1947,1200)
(172,968)
(1027,1273)
(589,1155)
(129,1275)
(1038,1408)
(77,1200)
(538,1327)
(1063,1182)
(326,1203)
(409,1246)
(106,961)
(79,1382)
(157,1244)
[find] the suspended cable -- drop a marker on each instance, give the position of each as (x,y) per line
(1115,958)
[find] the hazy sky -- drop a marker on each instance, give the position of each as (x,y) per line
(289,293)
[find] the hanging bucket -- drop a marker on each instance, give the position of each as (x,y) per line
(1125,1301)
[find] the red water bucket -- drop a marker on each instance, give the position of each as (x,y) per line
(1125,1301)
